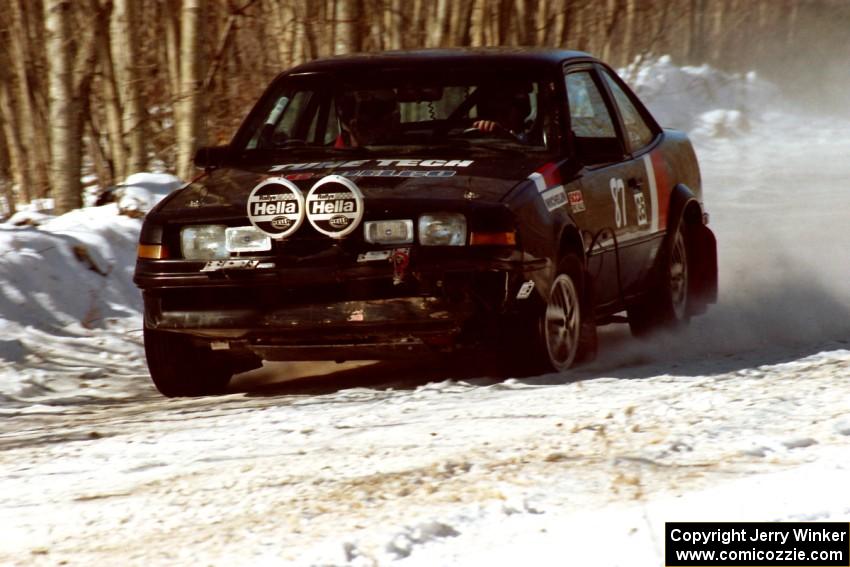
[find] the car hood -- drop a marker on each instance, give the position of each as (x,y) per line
(420,178)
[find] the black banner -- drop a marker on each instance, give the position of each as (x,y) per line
(757,544)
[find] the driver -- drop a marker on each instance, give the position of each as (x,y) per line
(367,118)
(503,109)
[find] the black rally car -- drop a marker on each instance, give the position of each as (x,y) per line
(399,204)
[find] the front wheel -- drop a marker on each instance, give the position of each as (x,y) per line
(562,331)
(562,323)
(180,368)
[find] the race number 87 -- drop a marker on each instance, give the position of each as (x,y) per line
(618,193)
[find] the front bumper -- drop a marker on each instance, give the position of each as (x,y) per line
(347,312)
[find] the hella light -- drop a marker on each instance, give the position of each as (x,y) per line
(388,232)
(442,229)
(246,239)
(203,242)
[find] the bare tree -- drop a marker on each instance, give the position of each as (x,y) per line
(66,182)
(34,128)
(125,25)
(188,123)
(347,36)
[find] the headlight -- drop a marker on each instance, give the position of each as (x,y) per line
(246,239)
(442,229)
(203,242)
(388,232)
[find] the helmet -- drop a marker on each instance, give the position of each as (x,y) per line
(497,101)
(372,116)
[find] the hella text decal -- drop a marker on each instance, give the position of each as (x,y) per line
(335,206)
(276,206)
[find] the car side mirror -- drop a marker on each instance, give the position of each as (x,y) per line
(211,157)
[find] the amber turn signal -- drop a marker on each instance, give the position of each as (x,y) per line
(492,238)
(152,251)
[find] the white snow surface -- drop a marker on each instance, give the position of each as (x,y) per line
(745,415)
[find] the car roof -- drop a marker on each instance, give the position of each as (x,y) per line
(472,55)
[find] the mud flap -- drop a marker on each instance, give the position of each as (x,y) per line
(703,284)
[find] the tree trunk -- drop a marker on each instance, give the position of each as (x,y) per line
(65,180)
(95,23)
(347,18)
(112,106)
(439,23)
(17,150)
(396,23)
(171,24)
(33,123)
(629,47)
(125,36)
(188,130)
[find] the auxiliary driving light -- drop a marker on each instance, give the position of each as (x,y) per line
(388,231)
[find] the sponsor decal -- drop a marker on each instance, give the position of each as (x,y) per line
(525,290)
(276,206)
(640,209)
(399,173)
(339,221)
(300,176)
(576,201)
(335,206)
(400,259)
(547,181)
(554,198)
(374,256)
(350,164)
(282,223)
(216,265)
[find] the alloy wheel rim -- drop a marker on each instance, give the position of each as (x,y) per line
(562,323)
(679,277)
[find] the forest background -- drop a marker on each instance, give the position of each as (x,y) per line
(94,90)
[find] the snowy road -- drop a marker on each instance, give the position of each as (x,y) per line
(746,415)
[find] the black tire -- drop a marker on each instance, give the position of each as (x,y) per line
(560,332)
(180,368)
(667,306)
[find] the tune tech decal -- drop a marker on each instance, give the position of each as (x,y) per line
(276,206)
(361,163)
(335,206)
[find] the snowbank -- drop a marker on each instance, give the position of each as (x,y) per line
(69,311)
(141,191)
(700,99)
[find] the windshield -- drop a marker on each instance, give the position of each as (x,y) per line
(397,111)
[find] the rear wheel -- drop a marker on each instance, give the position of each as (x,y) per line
(667,305)
(180,368)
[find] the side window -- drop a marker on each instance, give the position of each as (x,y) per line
(638,132)
(588,114)
(595,137)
